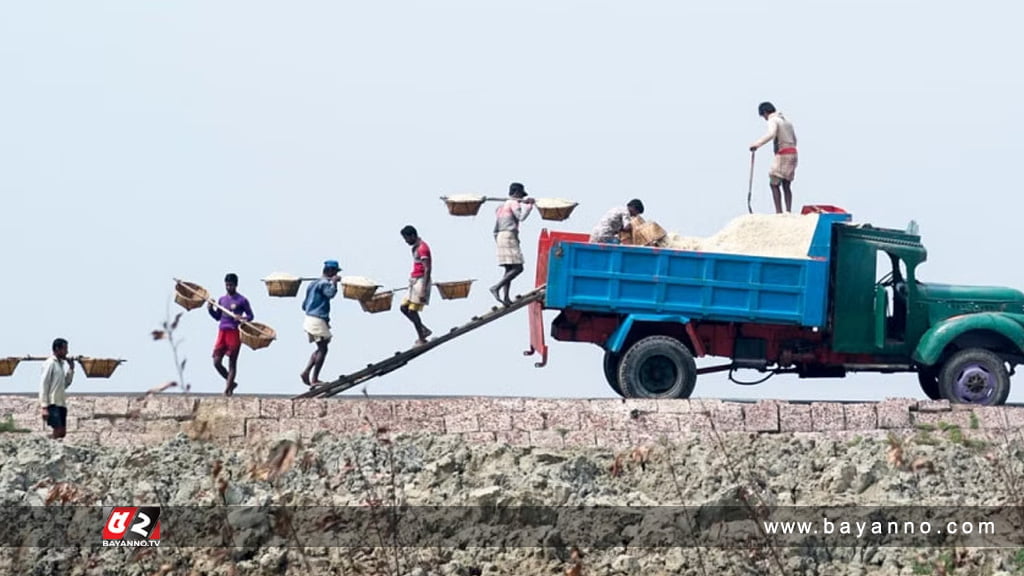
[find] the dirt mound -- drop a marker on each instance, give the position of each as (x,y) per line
(285,500)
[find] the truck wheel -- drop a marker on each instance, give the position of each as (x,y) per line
(611,371)
(928,377)
(975,376)
(657,367)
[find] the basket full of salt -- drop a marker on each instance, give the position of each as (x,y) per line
(358,288)
(555,208)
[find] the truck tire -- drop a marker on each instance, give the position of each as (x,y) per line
(928,377)
(657,367)
(975,376)
(611,371)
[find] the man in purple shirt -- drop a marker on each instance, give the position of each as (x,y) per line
(229,341)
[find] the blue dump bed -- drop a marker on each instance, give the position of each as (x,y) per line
(696,285)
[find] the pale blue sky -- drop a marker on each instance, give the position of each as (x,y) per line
(140,141)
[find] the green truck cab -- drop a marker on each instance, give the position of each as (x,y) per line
(963,341)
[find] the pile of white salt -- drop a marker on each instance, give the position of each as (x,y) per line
(281,276)
(553,203)
(358,281)
(770,235)
(464,198)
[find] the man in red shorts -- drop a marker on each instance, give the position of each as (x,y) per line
(229,342)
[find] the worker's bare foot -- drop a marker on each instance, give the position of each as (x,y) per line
(420,342)
(494,292)
(317,383)
(305,378)
(507,302)
(426,334)
(230,389)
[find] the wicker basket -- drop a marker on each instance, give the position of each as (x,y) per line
(648,234)
(560,213)
(464,207)
(256,335)
(190,296)
(454,290)
(379,303)
(99,367)
(283,288)
(7,365)
(359,292)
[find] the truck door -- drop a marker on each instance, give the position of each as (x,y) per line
(890,301)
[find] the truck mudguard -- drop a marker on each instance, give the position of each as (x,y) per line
(934,341)
(618,338)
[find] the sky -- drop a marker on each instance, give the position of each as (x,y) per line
(143,141)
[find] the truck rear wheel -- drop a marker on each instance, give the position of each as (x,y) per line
(611,371)
(657,367)
(975,376)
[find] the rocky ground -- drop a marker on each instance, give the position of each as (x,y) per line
(933,468)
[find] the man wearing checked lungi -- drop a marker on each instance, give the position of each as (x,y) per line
(419,283)
(783,169)
(506,235)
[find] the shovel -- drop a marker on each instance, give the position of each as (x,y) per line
(750,186)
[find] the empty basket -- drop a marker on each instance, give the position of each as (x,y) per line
(190,296)
(256,335)
(556,212)
(379,303)
(464,206)
(282,287)
(7,365)
(454,290)
(99,367)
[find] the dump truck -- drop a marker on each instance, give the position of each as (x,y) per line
(854,304)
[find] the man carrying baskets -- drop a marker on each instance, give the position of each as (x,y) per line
(419,283)
(506,236)
(317,324)
(229,341)
(56,378)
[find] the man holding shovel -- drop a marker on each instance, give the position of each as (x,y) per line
(229,341)
(783,170)
(317,323)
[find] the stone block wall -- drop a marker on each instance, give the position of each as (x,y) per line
(611,423)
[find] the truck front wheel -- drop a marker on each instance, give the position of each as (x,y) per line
(611,371)
(657,367)
(975,376)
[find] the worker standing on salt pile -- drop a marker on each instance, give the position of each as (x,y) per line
(55,379)
(506,236)
(317,323)
(616,220)
(419,283)
(229,341)
(783,169)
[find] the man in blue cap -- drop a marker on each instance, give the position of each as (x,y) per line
(317,323)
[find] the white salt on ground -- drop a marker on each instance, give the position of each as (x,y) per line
(281,276)
(553,203)
(771,235)
(464,198)
(357,281)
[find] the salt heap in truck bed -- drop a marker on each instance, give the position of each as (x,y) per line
(770,235)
